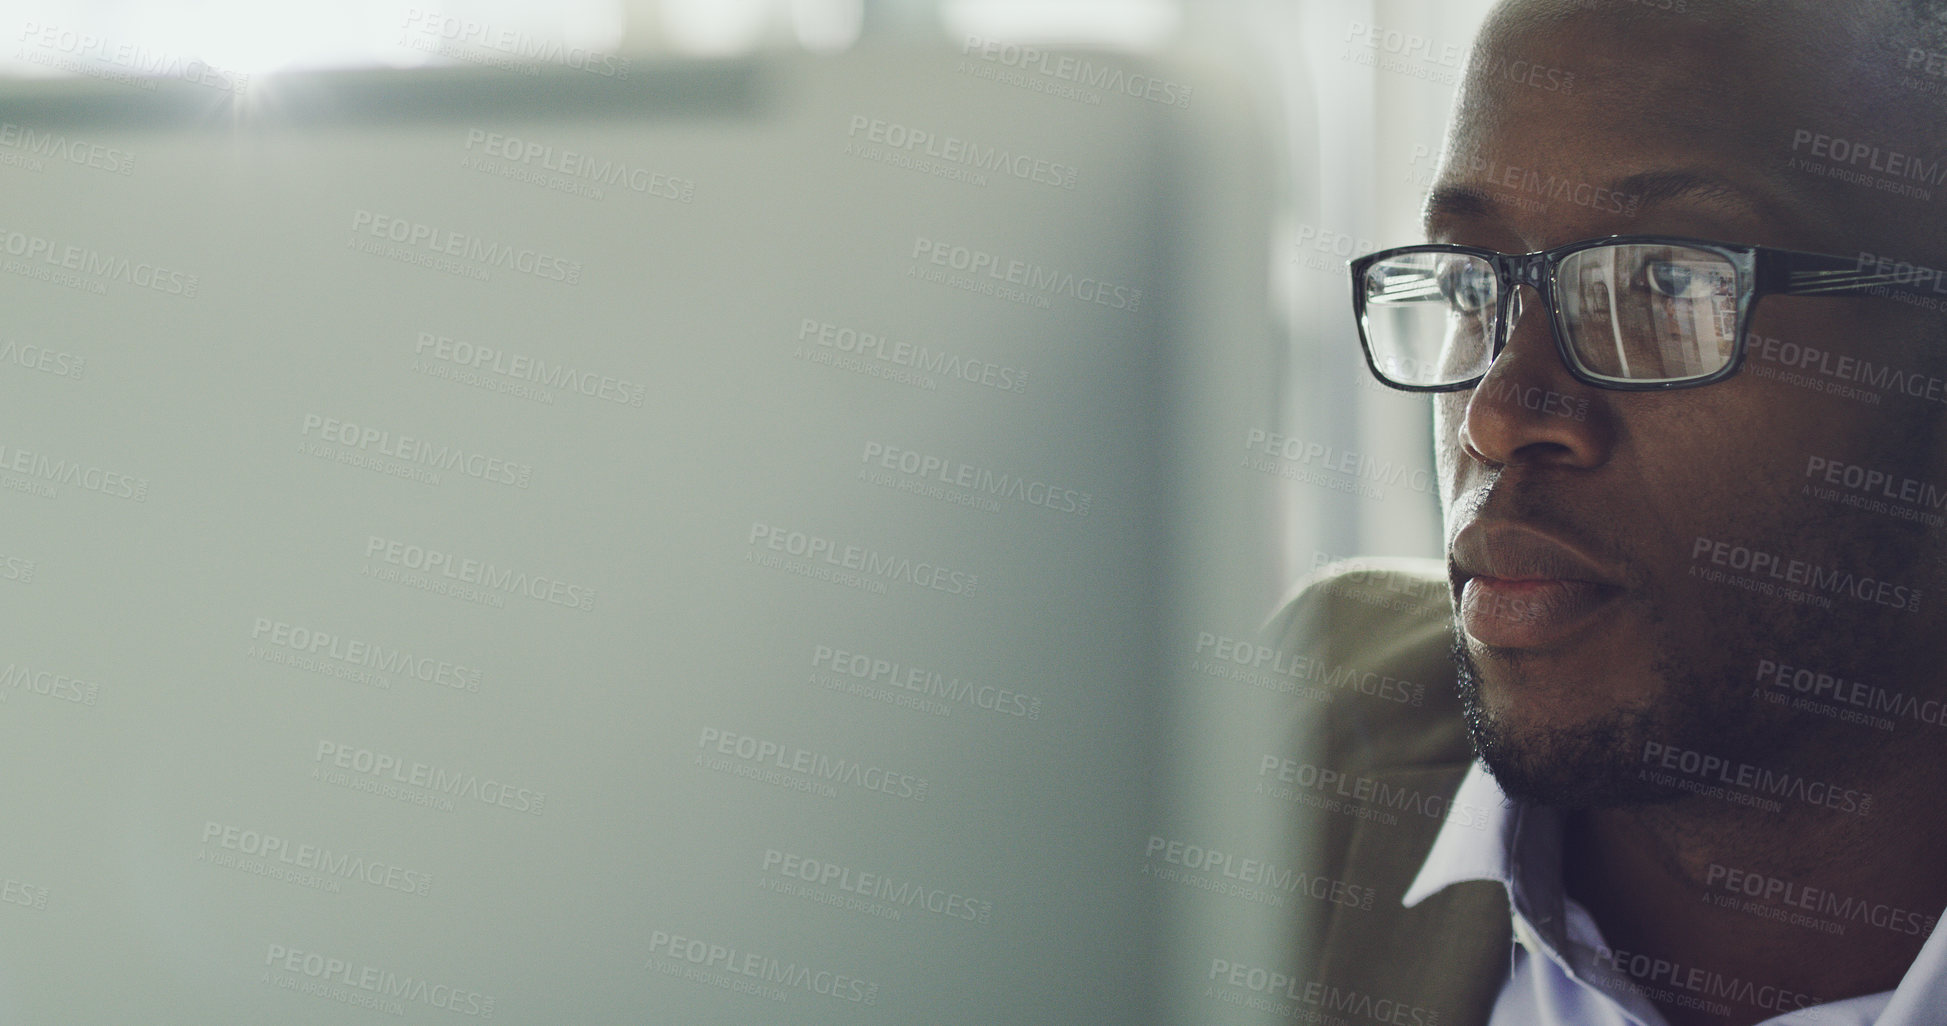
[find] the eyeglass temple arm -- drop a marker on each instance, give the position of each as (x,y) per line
(1790,273)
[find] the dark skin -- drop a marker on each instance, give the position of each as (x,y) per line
(1697,116)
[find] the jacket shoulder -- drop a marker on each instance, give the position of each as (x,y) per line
(1378,634)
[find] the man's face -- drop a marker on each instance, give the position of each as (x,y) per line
(1664,499)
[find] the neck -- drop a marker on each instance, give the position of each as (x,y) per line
(1817,904)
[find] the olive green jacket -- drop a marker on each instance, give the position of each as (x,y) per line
(1449,954)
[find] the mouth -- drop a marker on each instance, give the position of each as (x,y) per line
(1521,588)
(1530,613)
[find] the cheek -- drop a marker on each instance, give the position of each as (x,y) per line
(1449,411)
(1719,474)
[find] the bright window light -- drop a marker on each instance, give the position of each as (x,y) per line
(1126,24)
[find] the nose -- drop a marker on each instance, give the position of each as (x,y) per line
(1514,318)
(1528,409)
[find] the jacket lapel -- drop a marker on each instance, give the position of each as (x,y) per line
(1440,963)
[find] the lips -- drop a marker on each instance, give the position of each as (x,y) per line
(1522,588)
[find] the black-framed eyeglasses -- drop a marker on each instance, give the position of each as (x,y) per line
(1629,312)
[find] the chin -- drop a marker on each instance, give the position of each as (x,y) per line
(1594,762)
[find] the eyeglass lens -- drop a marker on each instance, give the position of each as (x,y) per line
(1630,312)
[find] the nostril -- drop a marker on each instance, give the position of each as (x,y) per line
(1473,451)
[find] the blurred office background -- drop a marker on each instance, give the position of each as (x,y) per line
(682,510)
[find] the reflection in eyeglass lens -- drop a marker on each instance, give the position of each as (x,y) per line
(1648,313)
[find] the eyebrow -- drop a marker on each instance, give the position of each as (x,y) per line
(1464,202)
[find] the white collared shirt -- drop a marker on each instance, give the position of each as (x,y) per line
(1561,972)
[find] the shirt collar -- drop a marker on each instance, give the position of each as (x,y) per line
(1474,843)
(1487,837)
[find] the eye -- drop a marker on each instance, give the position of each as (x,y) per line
(1687,279)
(1468,285)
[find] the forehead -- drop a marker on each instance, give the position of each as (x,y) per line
(1658,110)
